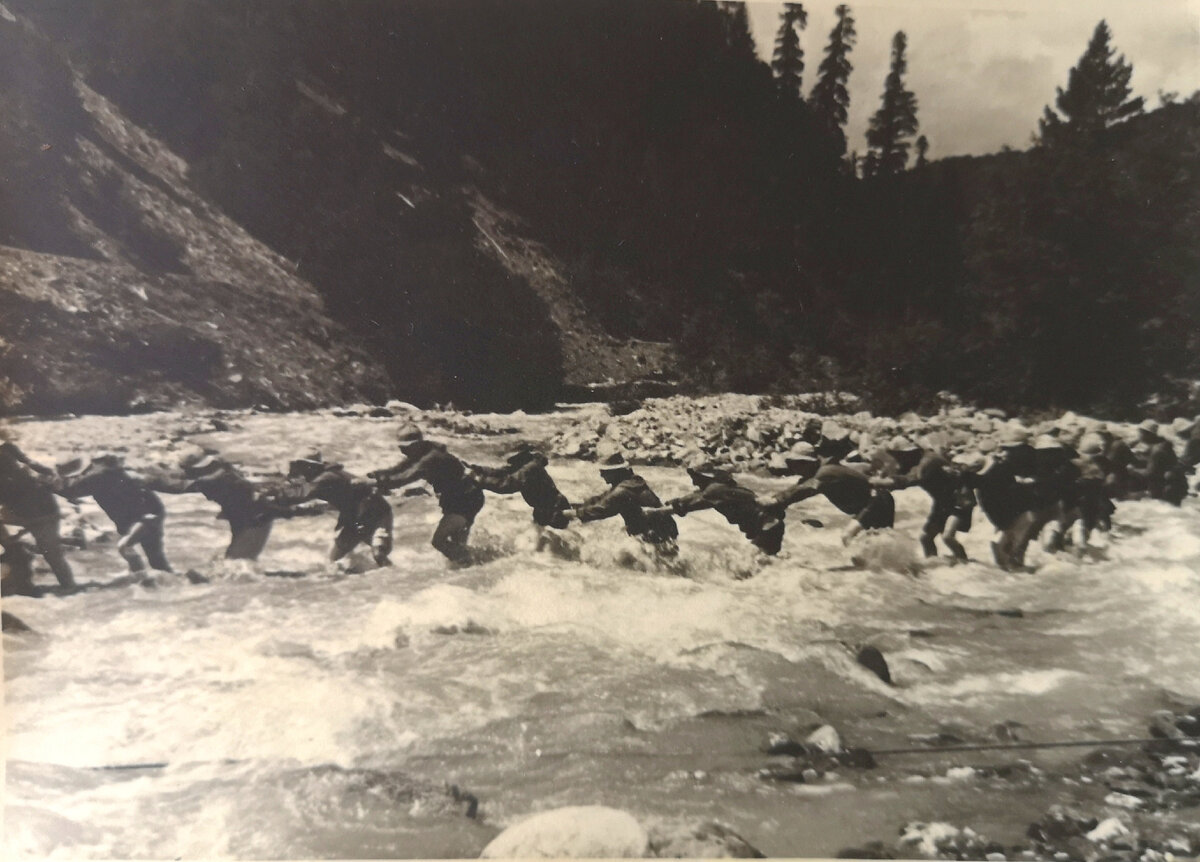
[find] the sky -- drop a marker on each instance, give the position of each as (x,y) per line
(982,70)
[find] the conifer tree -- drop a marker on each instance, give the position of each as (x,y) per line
(1097,94)
(895,122)
(922,151)
(830,99)
(788,61)
(737,28)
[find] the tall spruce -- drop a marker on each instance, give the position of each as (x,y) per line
(894,124)
(788,61)
(1097,94)
(830,99)
(737,28)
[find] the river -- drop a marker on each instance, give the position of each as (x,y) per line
(293,708)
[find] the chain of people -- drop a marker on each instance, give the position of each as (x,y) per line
(1062,486)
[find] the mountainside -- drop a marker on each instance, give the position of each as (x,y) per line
(121,285)
(499,203)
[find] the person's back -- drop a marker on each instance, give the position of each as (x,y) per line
(123,498)
(628,498)
(24,494)
(845,487)
(234,493)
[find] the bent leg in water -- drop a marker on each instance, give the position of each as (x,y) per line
(152,543)
(450,537)
(45,532)
(248,541)
(955,523)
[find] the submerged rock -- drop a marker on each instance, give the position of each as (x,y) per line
(872,659)
(710,840)
(587,831)
(13,623)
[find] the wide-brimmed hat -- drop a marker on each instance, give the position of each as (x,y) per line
(408,432)
(523,454)
(1046,443)
(614,463)
(708,470)
(1091,444)
(307,463)
(1013,436)
(831,430)
(204,464)
(73,468)
(1149,426)
(902,444)
(969,461)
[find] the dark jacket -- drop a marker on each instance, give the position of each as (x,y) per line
(846,488)
(933,474)
(457,493)
(628,499)
(738,505)
(26,487)
(359,503)
(532,482)
(236,495)
(1002,495)
(125,499)
(1163,474)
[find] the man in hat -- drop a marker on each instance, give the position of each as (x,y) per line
(907,465)
(364,515)
(1190,435)
(27,501)
(525,473)
(135,510)
(629,496)
(835,443)
(1093,509)
(845,487)
(459,496)
(716,489)
(1164,476)
(1055,493)
(1003,487)
(250,514)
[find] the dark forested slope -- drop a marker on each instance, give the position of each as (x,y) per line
(495,196)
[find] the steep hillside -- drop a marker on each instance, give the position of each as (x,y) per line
(121,286)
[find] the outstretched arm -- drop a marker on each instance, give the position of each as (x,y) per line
(404,473)
(797,493)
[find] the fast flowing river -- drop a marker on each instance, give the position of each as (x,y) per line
(292,709)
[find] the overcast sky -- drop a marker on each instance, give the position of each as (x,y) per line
(983,69)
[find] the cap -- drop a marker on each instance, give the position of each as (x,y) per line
(1149,426)
(1091,444)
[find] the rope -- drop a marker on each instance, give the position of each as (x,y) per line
(1007,746)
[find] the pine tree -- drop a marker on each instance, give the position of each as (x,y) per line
(922,152)
(896,120)
(737,28)
(788,61)
(1097,94)
(830,99)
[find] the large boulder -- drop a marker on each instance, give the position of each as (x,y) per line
(588,831)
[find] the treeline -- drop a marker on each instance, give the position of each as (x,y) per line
(691,192)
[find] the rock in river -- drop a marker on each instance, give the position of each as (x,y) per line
(587,831)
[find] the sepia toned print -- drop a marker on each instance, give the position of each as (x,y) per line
(600,428)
